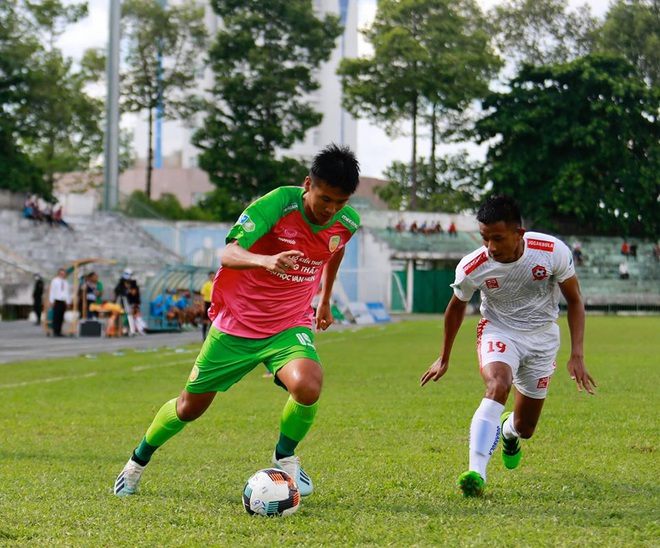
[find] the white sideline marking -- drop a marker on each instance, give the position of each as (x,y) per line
(138,368)
(85,375)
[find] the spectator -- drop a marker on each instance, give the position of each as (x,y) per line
(625,249)
(38,297)
(59,298)
(578,258)
(623,271)
(57,218)
(127,294)
(656,251)
(413,228)
(452,230)
(89,295)
(206,291)
(633,250)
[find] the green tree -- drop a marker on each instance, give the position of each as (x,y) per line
(541,32)
(17,46)
(163,61)
(632,28)
(578,143)
(431,58)
(452,185)
(264,61)
(61,122)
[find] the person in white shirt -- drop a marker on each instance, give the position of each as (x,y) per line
(59,298)
(520,276)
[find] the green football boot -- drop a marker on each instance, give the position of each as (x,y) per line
(511,450)
(471,483)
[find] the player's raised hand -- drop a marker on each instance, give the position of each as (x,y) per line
(282,262)
(438,369)
(579,374)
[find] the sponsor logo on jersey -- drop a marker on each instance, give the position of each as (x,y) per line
(543,382)
(543,245)
(491,283)
(290,233)
(290,207)
(334,243)
(350,222)
(248,224)
(287,240)
(474,263)
(539,272)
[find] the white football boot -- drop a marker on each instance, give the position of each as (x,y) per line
(129,478)
(291,465)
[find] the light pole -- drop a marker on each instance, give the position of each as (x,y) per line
(111,180)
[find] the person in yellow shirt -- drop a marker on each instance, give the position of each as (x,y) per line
(206,295)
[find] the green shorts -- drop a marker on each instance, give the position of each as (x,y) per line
(224,359)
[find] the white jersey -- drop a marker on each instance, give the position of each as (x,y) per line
(523,295)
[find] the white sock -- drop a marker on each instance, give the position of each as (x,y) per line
(484,434)
(508,429)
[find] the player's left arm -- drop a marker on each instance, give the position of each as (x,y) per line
(324,318)
(570,289)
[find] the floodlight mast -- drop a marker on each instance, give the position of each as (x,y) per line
(111,149)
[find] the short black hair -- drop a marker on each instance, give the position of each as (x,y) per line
(499,207)
(337,166)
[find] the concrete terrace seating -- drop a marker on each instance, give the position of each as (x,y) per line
(105,235)
(438,244)
(599,275)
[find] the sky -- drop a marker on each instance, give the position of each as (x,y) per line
(375,149)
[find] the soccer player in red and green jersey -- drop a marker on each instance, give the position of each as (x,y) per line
(283,246)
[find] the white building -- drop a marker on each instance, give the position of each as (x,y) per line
(175,149)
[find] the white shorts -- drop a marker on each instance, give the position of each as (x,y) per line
(531,355)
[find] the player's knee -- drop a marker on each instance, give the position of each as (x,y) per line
(191,408)
(498,389)
(306,389)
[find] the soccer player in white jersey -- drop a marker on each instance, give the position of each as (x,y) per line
(520,276)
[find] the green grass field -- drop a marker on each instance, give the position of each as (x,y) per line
(384,453)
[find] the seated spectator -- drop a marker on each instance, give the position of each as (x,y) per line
(57,219)
(623,271)
(452,229)
(138,321)
(578,258)
(625,249)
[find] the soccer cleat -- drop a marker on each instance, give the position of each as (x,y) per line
(129,478)
(291,465)
(471,483)
(511,450)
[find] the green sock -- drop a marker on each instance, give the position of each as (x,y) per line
(295,422)
(165,425)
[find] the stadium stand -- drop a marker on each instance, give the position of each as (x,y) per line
(27,247)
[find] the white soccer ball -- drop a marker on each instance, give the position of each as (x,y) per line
(271,492)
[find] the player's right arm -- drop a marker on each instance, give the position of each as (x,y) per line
(454,316)
(234,256)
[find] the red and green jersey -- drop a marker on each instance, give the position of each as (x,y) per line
(256,303)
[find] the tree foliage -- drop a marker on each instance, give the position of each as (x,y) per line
(264,61)
(632,28)
(431,58)
(452,185)
(164,58)
(578,143)
(541,32)
(50,123)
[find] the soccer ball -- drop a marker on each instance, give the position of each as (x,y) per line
(271,492)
